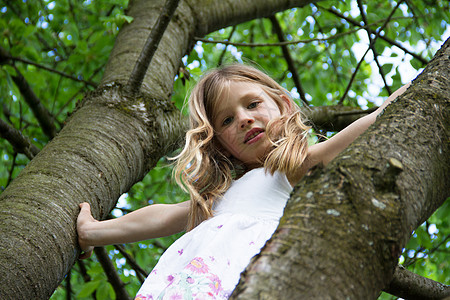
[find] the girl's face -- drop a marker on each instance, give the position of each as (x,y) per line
(241,120)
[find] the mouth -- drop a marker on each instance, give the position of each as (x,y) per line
(253,135)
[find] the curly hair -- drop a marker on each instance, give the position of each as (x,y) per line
(202,169)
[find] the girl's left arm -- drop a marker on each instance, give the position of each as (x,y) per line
(324,152)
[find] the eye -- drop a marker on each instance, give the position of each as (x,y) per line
(227,121)
(253,105)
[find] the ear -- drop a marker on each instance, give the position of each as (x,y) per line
(287,102)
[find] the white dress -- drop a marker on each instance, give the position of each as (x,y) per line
(206,262)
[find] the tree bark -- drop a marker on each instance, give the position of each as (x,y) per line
(345,225)
(408,285)
(107,145)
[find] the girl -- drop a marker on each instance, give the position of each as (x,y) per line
(246,148)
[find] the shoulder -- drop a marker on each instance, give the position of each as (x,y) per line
(313,158)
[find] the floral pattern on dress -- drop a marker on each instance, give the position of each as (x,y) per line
(195,282)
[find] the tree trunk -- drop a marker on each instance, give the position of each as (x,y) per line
(345,225)
(107,145)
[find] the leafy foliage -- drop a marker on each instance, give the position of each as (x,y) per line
(61,48)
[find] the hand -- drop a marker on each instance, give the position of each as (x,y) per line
(83,221)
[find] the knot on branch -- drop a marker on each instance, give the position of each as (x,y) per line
(386,179)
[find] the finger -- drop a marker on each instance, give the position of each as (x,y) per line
(85,254)
(85,209)
(85,205)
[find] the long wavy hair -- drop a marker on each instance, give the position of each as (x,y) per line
(202,169)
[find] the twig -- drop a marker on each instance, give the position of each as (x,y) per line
(371,44)
(222,55)
(83,271)
(150,46)
(45,119)
(410,261)
(374,51)
(287,55)
(110,271)
(254,45)
(390,41)
(68,286)
(29,62)
(78,92)
(140,273)
(336,71)
(13,165)
(85,275)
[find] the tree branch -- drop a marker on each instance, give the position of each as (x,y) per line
(222,55)
(68,286)
(83,271)
(85,275)
(370,45)
(20,143)
(45,119)
(374,51)
(385,38)
(333,118)
(411,286)
(110,271)
(338,74)
(11,170)
(290,62)
(253,45)
(140,273)
(150,46)
(4,56)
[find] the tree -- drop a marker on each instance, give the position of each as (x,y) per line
(117,134)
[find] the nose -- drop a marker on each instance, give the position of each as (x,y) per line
(245,120)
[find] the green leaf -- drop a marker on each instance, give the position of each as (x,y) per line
(9,69)
(89,288)
(127,19)
(105,291)
(387,68)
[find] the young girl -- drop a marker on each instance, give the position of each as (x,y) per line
(246,148)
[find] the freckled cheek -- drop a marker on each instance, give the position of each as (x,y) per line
(229,140)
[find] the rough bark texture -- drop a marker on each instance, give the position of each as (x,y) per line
(108,144)
(100,154)
(408,285)
(345,225)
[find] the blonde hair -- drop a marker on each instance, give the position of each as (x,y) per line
(202,169)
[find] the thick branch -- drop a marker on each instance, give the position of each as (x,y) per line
(411,286)
(113,277)
(333,118)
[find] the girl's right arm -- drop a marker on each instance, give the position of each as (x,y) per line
(156,220)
